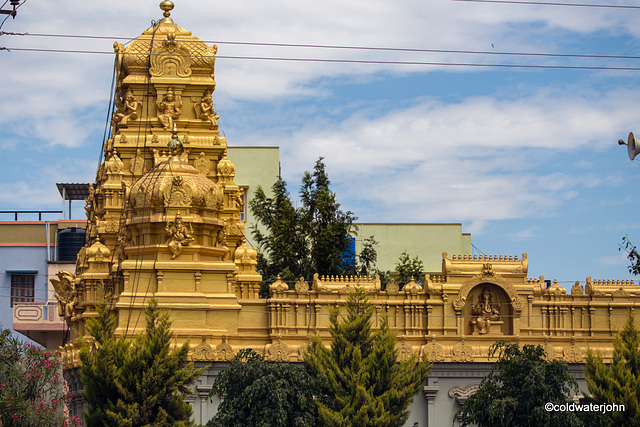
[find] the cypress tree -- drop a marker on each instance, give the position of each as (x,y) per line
(139,383)
(619,382)
(362,378)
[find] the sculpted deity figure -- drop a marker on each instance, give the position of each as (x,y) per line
(485,311)
(204,110)
(179,235)
(66,294)
(169,109)
(137,163)
(127,109)
(90,201)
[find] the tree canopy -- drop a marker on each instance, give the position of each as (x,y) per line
(618,382)
(261,393)
(516,390)
(314,238)
(137,383)
(365,383)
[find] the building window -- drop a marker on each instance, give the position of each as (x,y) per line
(22,286)
(243,214)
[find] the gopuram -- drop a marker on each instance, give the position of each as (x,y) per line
(163,222)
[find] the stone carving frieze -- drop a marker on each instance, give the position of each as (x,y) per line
(462,352)
(573,353)
(404,351)
(277,352)
(433,350)
(224,352)
(203,352)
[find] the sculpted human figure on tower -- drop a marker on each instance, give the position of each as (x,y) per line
(169,109)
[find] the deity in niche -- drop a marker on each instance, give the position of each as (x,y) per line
(204,110)
(169,109)
(485,310)
(127,109)
(179,235)
(137,163)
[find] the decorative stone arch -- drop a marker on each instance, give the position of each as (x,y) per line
(511,325)
(461,300)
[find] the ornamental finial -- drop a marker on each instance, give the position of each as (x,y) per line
(167,6)
(175,145)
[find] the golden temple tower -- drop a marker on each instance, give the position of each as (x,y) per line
(163,219)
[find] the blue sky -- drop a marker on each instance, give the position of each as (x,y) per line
(525,158)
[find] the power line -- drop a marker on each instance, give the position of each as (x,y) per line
(362,61)
(343,47)
(541,3)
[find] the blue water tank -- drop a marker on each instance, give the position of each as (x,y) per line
(70,241)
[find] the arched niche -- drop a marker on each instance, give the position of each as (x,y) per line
(503,298)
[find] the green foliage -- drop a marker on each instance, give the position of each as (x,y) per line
(361,377)
(367,257)
(32,391)
(408,268)
(311,239)
(632,255)
(283,246)
(260,393)
(618,382)
(516,390)
(136,383)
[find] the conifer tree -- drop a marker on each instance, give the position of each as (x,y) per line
(329,227)
(139,383)
(361,374)
(314,238)
(618,382)
(283,244)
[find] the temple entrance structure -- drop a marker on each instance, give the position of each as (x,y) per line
(163,222)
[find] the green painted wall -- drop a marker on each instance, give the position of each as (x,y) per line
(427,241)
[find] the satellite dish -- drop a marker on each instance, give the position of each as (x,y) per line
(633,146)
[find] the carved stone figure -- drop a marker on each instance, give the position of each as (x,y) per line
(202,164)
(137,163)
(204,110)
(179,235)
(485,311)
(90,201)
(66,294)
(114,164)
(169,109)
(127,109)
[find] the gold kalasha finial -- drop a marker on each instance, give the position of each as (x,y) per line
(167,6)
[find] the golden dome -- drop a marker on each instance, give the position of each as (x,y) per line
(175,183)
